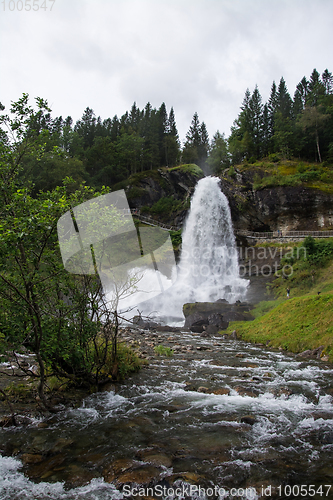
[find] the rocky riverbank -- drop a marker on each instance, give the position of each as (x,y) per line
(198,417)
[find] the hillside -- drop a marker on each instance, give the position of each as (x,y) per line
(276,193)
(305,320)
(164,193)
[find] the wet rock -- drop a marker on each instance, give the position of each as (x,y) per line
(46,468)
(311,353)
(118,467)
(157,459)
(142,475)
(242,391)
(284,392)
(249,419)
(204,334)
(190,477)
(196,328)
(95,459)
(31,458)
(212,329)
(61,444)
(203,389)
(145,324)
(239,355)
(77,476)
(222,392)
(233,335)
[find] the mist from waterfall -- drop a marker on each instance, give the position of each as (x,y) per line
(208,268)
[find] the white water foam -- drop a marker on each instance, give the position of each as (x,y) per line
(208,268)
(15,486)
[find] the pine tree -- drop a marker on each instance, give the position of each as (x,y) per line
(172,141)
(203,146)
(218,158)
(190,153)
(271,108)
(86,127)
(255,125)
(283,121)
(327,80)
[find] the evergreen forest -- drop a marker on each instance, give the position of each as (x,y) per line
(103,152)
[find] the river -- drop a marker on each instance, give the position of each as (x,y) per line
(220,414)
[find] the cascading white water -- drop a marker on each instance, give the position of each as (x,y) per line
(208,268)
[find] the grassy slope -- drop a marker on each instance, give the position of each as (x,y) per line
(275,171)
(296,325)
(305,321)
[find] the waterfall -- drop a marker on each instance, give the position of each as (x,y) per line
(208,268)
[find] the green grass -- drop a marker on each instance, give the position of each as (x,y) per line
(192,168)
(161,350)
(274,171)
(295,325)
(305,321)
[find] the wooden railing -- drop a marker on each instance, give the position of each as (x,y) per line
(153,222)
(284,234)
(249,234)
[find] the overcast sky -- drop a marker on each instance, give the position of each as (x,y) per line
(194,55)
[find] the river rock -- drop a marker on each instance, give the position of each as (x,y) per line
(203,389)
(312,353)
(233,335)
(245,392)
(44,469)
(222,392)
(217,313)
(157,459)
(249,419)
(142,476)
(31,458)
(146,324)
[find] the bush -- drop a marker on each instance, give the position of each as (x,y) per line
(165,205)
(163,351)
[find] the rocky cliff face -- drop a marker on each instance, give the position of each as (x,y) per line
(147,188)
(285,208)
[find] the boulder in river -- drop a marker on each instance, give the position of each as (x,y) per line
(311,353)
(219,313)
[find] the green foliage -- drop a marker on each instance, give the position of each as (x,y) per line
(166,205)
(296,324)
(62,317)
(305,320)
(290,173)
(191,168)
(176,239)
(128,361)
(163,351)
(318,251)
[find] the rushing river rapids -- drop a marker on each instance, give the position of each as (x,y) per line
(219,419)
(217,413)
